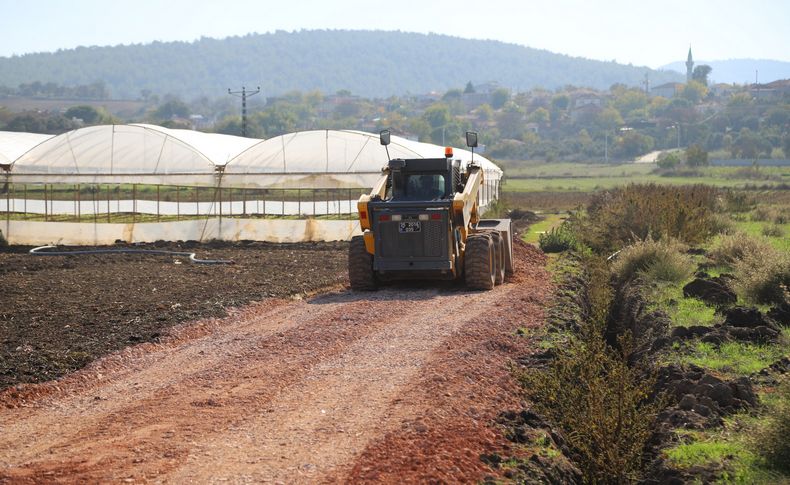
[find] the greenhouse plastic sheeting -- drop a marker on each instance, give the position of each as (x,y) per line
(147,154)
(329,159)
(13,145)
(128,154)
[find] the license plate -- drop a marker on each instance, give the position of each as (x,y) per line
(410,226)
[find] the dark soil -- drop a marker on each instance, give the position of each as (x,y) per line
(58,313)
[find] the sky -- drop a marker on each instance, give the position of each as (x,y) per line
(628,31)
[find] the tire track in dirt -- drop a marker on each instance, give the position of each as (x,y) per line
(286,391)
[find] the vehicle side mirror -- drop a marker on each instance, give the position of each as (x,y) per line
(471,139)
(384,137)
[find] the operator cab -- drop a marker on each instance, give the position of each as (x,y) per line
(420,179)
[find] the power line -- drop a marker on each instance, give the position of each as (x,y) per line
(243,94)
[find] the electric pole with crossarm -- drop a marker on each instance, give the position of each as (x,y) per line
(244,94)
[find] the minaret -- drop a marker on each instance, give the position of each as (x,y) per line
(689,67)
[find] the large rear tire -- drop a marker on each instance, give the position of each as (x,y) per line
(360,266)
(479,262)
(499,251)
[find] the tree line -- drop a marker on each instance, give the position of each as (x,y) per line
(569,123)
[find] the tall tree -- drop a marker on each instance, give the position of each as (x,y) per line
(694,91)
(173,108)
(499,97)
(696,156)
(700,74)
(88,114)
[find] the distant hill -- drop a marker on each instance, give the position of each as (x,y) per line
(368,63)
(740,71)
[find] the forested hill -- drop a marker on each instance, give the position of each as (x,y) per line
(368,63)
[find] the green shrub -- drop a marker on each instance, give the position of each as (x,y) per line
(773,231)
(763,277)
(772,440)
(617,217)
(733,247)
(696,156)
(558,239)
(663,260)
(668,161)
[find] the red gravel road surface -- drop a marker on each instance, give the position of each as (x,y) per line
(396,386)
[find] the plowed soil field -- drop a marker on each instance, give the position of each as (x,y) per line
(58,313)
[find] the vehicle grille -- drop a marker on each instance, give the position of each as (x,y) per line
(430,242)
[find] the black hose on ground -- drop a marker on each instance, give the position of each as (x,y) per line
(42,251)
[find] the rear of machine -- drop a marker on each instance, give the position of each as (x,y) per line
(420,221)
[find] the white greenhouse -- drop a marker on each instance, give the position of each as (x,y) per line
(143,174)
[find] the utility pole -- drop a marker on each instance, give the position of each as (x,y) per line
(243,94)
(678,136)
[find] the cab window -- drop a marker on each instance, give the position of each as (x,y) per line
(424,186)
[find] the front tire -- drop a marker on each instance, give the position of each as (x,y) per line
(360,266)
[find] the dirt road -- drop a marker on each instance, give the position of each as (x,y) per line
(400,385)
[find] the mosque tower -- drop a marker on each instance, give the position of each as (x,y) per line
(689,66)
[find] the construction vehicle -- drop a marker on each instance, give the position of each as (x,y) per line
(421,221)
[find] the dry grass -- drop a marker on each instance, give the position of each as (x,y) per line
(763,277)
(762,273)
(664,260)
(733,247)
(772,213)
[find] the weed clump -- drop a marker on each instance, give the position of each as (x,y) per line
(773,231)
(733,247)
(771,440)
(763,277)
(762,274)
(558,239)
(773,214)
(618,217)
(664,260)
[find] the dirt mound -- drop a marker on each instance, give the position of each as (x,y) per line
(740,324)
(715,290)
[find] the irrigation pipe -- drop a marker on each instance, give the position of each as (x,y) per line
(42,251)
